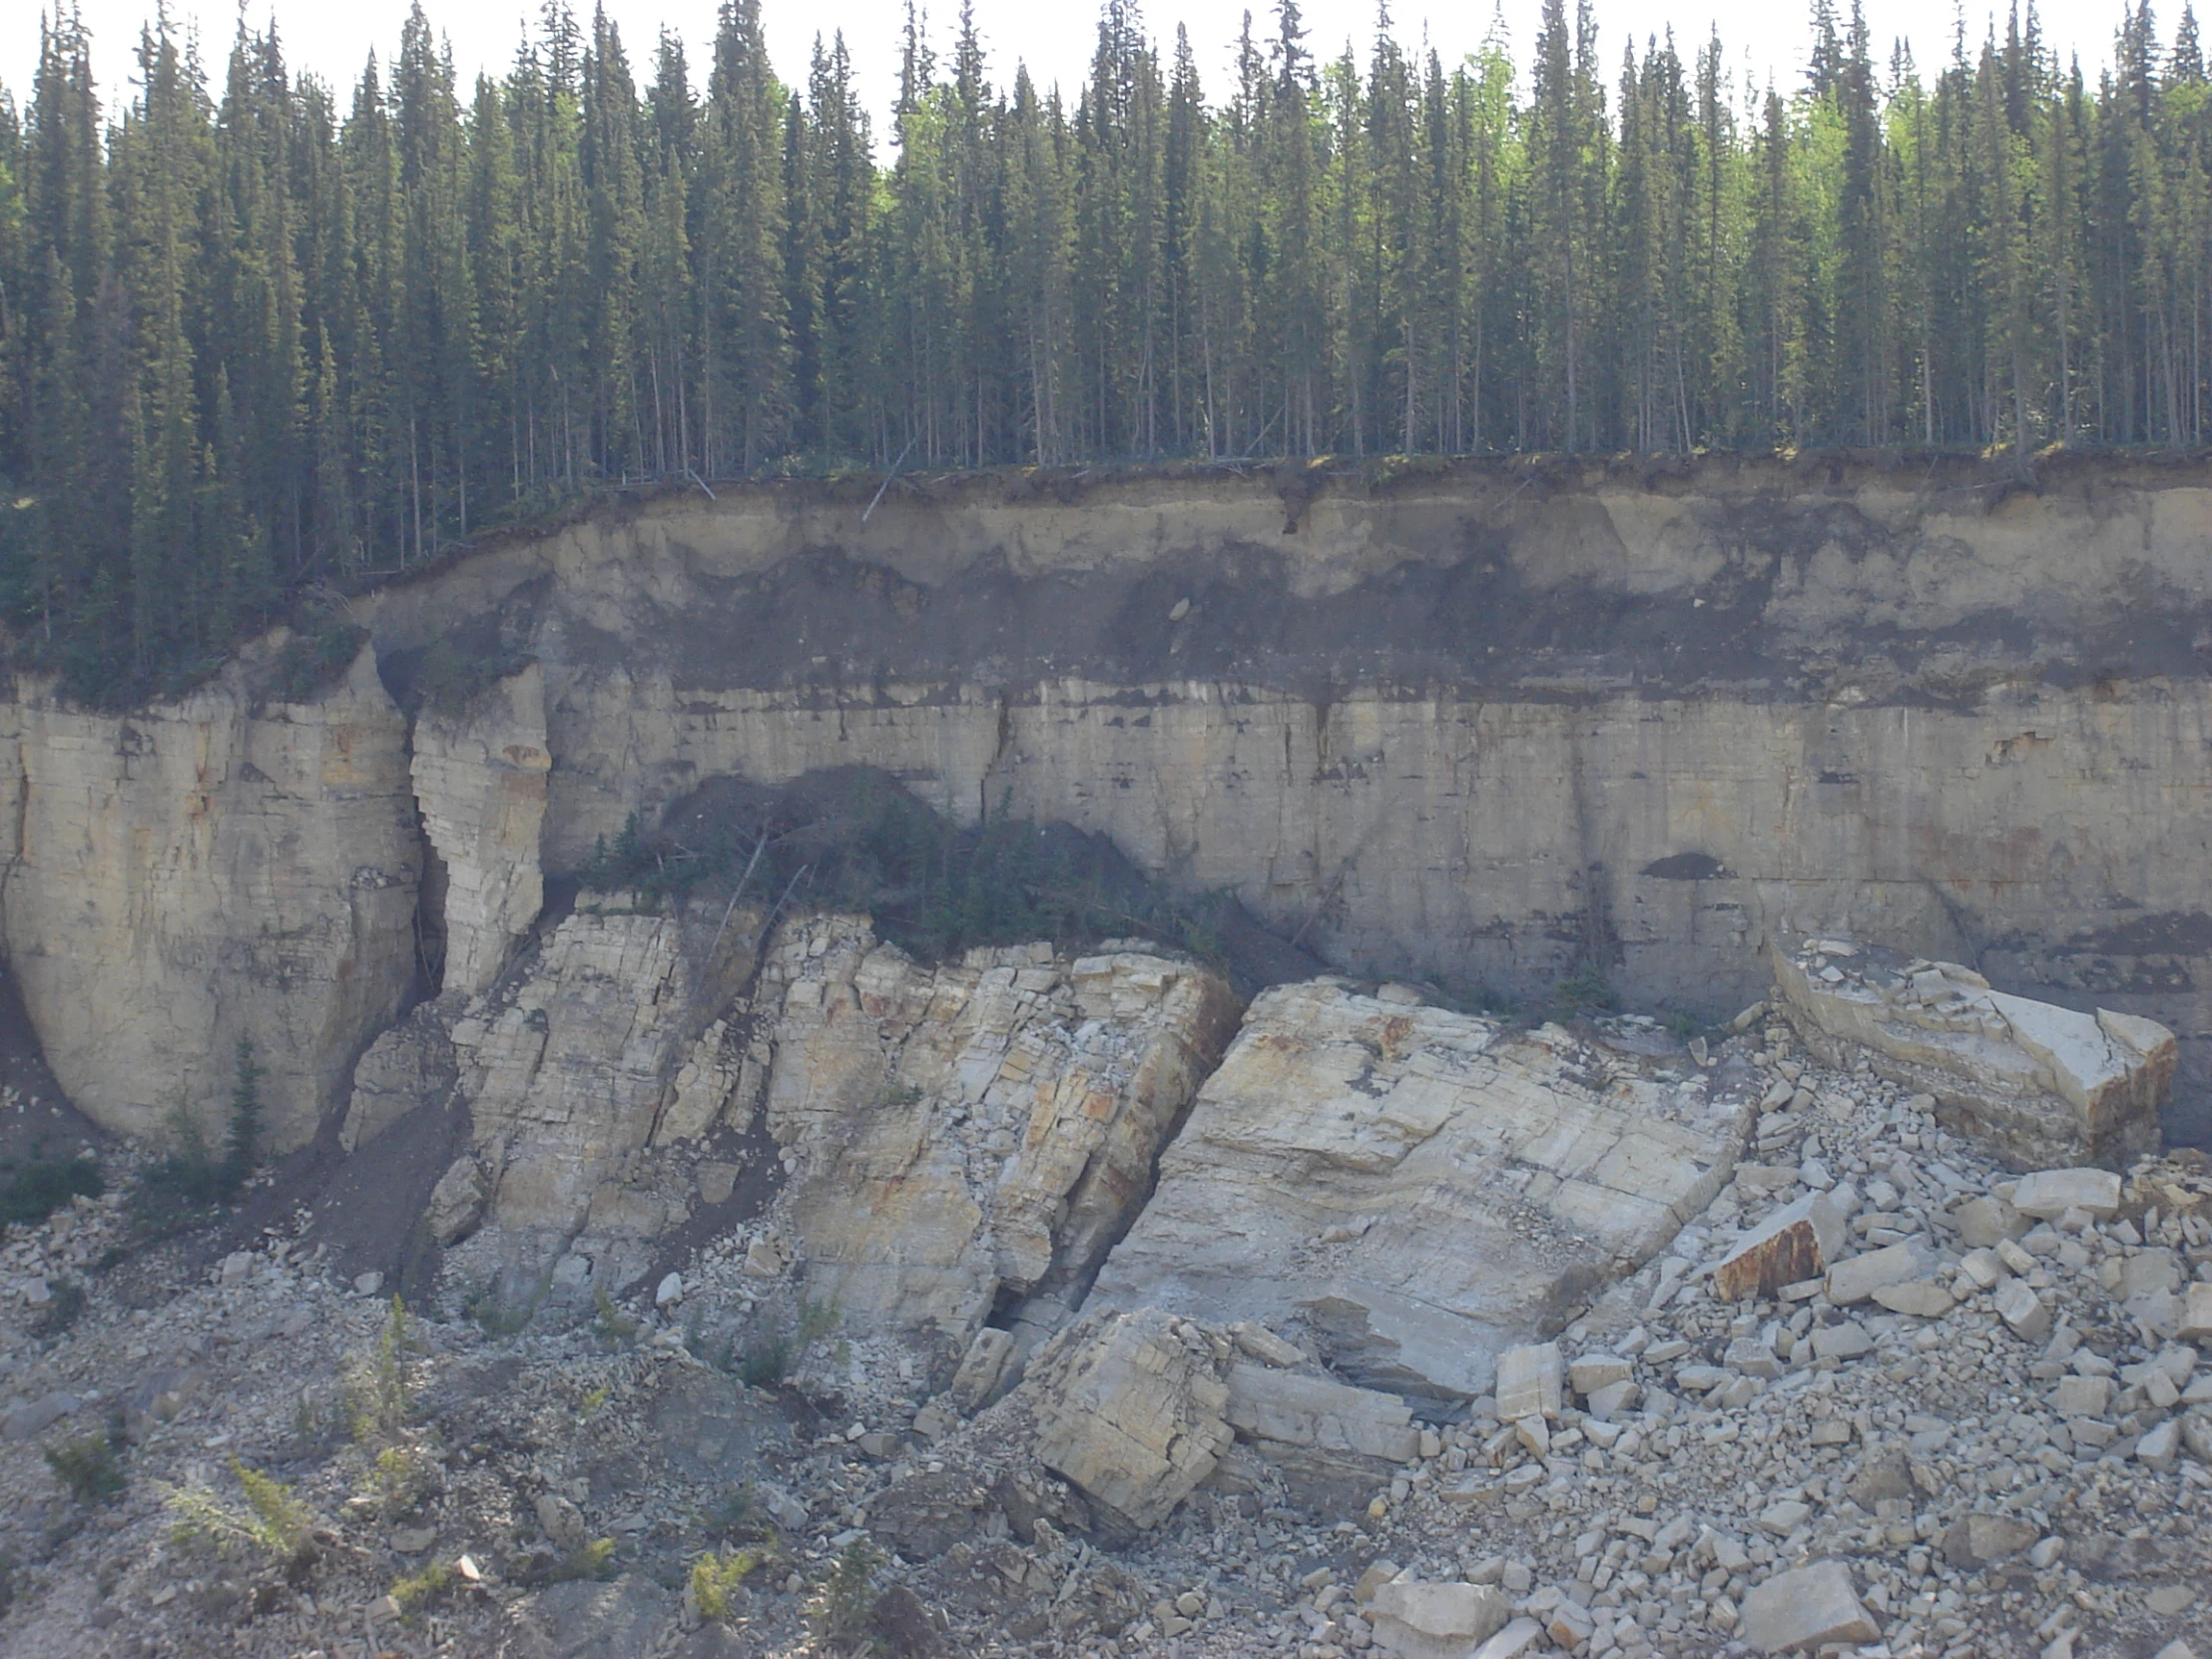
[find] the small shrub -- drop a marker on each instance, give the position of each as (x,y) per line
(42,1186)
(419,1591)
(88,1468)
(195,1178)
(66,1307)
(611,1322)
(594,1560)
(737,1514)
(403,1479)
(381,1397)
(1583,991)
(311,662)
(766,1363)
(273,1523)
(849,1600)
(715,1579)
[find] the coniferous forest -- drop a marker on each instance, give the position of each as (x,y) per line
(262,332)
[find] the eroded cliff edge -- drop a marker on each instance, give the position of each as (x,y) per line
(1486,726)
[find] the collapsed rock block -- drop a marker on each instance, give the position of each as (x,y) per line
(2196,1313)
(1416,1190)
(1803,1609)
(1857,1277)
(1528,1382)
(1436,1621)
(2038,1083)
(1796,1242)
(1976,1541)
(2050,1193)
(1130,1411)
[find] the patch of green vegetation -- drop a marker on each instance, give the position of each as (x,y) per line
(89,1468)
(847,1603)
(716,1577)
(610,1323)
(195,1179)
(35,1190)
(377,1389)
(64,1307)
(1584,991)
(452,675)
(775,1351)
(271,1524)
(418,1591)
(856,840)
(313,660)
(593,1560)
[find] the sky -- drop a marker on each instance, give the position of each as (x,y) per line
(1054,38)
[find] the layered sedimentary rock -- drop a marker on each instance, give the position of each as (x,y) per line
(2040,1083)
(1419,1189)
(479,771)
(979,1128)
(226,866)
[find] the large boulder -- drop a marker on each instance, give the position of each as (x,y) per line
(979,1129)
(1419,1190)
(2037,1083)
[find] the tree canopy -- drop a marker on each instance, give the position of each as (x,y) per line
(258,333)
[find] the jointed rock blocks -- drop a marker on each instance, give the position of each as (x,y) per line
(2037,1083)
(1419,1189)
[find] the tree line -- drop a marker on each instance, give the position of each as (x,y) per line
(258,333)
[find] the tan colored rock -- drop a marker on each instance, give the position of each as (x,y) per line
(1293,1409)
(457,1201)
(979,1127)
(479,771)
(2196,1313)
(1857,1277)
(201,870)
(1977,1540)
(1130,1410)
(1801,1609)
(1793,1244)
(2049,1193)
(1419,1190)
(2038,1082)
(1529,1381)
(411,1065)
(1418,1620)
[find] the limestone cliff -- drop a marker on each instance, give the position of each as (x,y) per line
(201,872)
(1486,725)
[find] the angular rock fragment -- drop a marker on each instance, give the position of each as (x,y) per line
(1130,1411)
(1803,1609)
(2021,1308)
(2050,1193)
(1419,1189)
(1293,1409)
(1859,1276)
(1796,1242)
(1436,1621)
(1977,1540)
(1528,1382)
(2038,1082)
(2196,1313)
(1920,1298)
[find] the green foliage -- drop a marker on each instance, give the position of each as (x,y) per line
(313,660)
(65,1306)
(89,1468)
(403,1479)
(609,1321)
(452,675)
(777,1350)
(36,1189)
(416,1592)
(193,1179)
(860,842)
(378,1392)
(1584,991)
(363,328)
(270,1523)
(595,1559)
(715,1579)
(847,1600)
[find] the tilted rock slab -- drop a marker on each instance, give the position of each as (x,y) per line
(981,1126)
(2038,1084)
(1421,1189)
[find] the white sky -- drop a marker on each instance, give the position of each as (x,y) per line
(1055,39)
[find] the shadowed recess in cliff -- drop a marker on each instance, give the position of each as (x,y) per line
(855,839)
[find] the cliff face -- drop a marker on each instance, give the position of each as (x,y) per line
(1486,726)
(216,868)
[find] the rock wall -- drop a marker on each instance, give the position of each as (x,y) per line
(201,872)
(1488,725)
(479,773)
